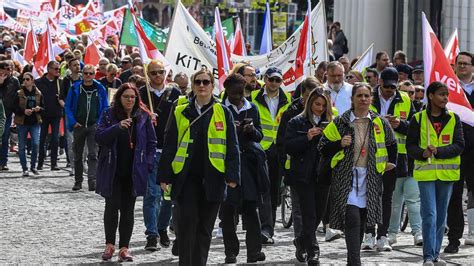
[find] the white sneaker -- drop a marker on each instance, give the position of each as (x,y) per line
(439,262)
(332,234)
(25,173)
(383,245)
(392,238)
(219,233)
(418,239)
(369,242)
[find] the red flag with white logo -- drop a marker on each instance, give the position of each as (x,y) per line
(437,68)
(238,44)
(45,52)
(93,54)
(224,65)
(452,47)
(31,44)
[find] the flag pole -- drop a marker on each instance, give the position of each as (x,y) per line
(147,82)
(428,134)
(362,56)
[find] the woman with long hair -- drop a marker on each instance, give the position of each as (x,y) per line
(362,147)
(301,140)
(435,140)
(127,143)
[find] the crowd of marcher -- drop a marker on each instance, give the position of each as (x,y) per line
(353,148)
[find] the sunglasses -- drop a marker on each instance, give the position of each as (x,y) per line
(89,73)
(420,90)
(204,82)
(156,72)
(129,97)
(27,79)
(275,79)
(349,77)
(410,92)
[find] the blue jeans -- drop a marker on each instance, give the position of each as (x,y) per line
(5,137)
(406,190)
(434,197)
(156,211)
(34,131)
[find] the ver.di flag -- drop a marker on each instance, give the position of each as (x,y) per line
(224,64)
(437,68)
(452,47)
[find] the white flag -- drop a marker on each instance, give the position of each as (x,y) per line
(365,59)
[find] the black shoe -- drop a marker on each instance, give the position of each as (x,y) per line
(68,164)
(230,259)
(4,168)
(164,239)
(175,249)
(300,252)
(92,187)
(77,186)
(40,167)
(260,256)
(451,248)
(267,239)
(151,243)
(34,171)
(55,168)
(313,260)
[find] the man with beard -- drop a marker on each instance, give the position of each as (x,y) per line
(340,90)
(248,72)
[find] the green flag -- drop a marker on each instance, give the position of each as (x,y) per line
(129,34)
(227,27)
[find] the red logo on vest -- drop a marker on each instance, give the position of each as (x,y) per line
(403,115)
(377,129)
(219,126)
(445,139)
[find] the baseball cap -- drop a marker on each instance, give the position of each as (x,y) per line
(418,68)
(273,72)
(390,77)
(404,68)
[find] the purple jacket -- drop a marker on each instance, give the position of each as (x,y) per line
(143,160)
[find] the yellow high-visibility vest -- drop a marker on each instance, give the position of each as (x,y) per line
(381,156)
(216,138)
(438,169)
(401,111)
(269,125)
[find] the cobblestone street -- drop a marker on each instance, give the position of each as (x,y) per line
(43,221)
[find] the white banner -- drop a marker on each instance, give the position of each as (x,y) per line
(189,48)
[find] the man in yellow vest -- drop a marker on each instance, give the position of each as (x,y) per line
(396,107)
(271,101)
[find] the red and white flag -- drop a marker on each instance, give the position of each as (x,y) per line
(437,68)
(31,44)
(45,53)
(452,47)
(238,43)
(224,65)
(93,54)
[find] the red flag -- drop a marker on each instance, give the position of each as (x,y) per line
(452,47)
(303,54)
(31,44)
(45,52)
(224,65)
(238,44)
(437,68)
(93,54)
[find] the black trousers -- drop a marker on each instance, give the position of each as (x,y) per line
(312,199)
(455,218)
(196,220)
(356,219)
(55,123)
(389,180)
(271,199)
(250,217)
(121,200)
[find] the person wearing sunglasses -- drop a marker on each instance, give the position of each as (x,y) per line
(29,104)
(200,159)
(455,221)
(162,98)
(85,102)
(49,85)
(126,68)
(110,81)
(397,108)
(272,102)
(354,76)
(372,77)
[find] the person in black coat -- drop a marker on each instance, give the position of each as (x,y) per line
(198,174)
(246,195)
(301,139)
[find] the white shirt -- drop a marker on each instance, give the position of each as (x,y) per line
(385,104)
(157,92)
(272,103)
(245,107)
(352,117)
(468,87)
(316,119)
(358,194)
(342,99)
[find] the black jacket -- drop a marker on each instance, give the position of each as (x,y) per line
(8,90)
(66,84)
(162,106)
(402,159)
(445,152)
(469,133)
(50,92)
(213,182)
(304,153)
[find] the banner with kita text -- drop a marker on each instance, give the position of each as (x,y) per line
(438,68)
(189,47)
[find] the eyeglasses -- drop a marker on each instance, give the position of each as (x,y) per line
(156,72)
(275,79)
(463,64)
(89,73)
(129,97)
(252,75)
(204,82)
(349,77)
